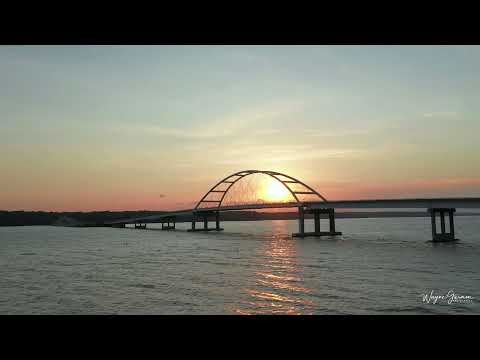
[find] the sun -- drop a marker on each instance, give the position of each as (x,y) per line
(276,192)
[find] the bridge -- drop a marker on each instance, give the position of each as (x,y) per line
(307,201)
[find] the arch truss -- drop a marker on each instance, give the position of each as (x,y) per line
(223,186)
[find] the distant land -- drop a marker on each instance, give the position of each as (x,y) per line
(94,218)
(99,218)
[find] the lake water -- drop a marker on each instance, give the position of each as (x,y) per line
(379,266)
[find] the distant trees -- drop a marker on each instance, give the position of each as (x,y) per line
(95,218)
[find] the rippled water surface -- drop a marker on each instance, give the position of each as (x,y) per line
(379,266)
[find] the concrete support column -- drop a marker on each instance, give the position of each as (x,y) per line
(204,216)
(452,227)
(217,220)
(331,218)
(443,235)
(301,220)
(442,221)
(193,221)
(316,215)
(170,221)
(434,223)
(316,218)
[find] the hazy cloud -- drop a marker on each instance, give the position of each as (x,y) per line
(268,153)
(441,114)
(336,133)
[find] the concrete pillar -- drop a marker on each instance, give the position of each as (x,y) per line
(434,224)
(331,218)
(442,221)
(217,220)
(452,227)
(443,235)
(301,220)
(205,222)
(316,215)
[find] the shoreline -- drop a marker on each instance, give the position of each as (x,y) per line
(98,219)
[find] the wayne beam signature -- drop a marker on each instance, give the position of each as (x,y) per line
(450,297)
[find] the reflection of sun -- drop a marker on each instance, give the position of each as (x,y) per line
(276,192)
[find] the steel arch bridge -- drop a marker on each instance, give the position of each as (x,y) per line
(316,207)
(224,185)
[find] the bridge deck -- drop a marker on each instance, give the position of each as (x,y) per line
(336,204)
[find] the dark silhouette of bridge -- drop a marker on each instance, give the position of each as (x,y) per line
(211,205)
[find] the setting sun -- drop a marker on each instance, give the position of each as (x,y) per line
(276,192)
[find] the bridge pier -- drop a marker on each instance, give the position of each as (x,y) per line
(168,226)
(217,221)
(204,216)
(443,236)
(316,219)
(140,226)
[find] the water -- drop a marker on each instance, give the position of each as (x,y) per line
(379,266)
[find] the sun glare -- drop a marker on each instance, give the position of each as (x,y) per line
(276,192)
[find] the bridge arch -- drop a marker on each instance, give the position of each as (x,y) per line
(232,179)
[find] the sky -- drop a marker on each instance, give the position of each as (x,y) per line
(154,127)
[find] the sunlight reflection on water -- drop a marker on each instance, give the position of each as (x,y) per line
(279,287)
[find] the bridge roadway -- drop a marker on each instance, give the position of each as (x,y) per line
(433,205)
(463,203)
